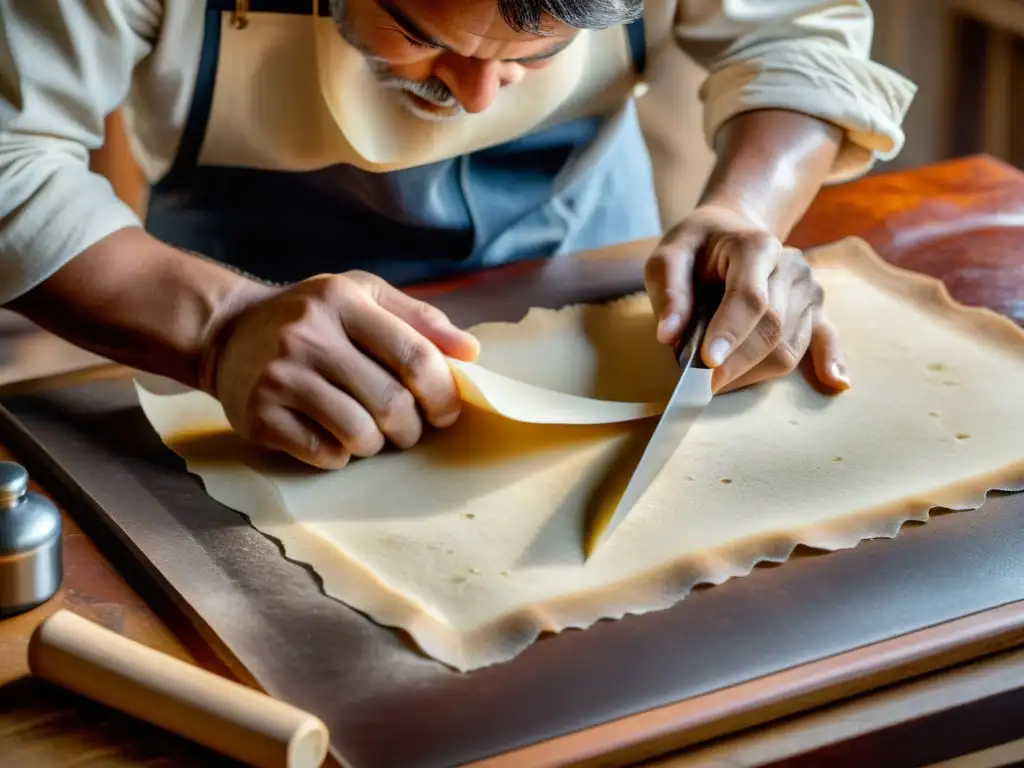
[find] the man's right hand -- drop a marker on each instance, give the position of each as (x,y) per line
(334,366)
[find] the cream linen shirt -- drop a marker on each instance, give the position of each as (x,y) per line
(66,64)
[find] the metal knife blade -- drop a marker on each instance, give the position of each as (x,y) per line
(673,425)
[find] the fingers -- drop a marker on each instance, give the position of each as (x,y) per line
(337,412)
(429,321)
(827,353)
(767,334)
(391,405)
(783,331)
(749,263)
(325,371)
(668,279)
(410,357)
(781,362)
(279,428)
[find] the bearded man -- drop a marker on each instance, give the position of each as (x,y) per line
(308,159)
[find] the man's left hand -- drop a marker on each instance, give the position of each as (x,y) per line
(771,314)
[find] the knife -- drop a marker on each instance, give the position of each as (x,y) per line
(682,411)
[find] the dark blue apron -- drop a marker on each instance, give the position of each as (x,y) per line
(577,186)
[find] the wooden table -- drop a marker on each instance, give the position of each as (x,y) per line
(962,221)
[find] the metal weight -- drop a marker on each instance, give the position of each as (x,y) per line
(31,562)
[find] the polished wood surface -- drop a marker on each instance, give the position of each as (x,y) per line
(92,588)
(961,221)
(774,697)
(41,725)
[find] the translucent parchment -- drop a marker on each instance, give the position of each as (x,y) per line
(472,542)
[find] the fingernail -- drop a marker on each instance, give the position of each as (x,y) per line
(668,326)
(838,371)
(718,350)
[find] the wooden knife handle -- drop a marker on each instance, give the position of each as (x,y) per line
(223,715)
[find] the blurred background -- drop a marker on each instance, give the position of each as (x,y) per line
(967,57)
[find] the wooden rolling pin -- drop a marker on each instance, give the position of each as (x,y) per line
(223,715)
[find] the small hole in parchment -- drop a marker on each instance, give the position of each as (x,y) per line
(962,436)
(933,414)
(725,481)
(469,515)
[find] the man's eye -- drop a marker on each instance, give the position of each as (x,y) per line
(415,43)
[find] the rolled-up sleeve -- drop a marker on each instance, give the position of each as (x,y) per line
(806,56)
(64,66)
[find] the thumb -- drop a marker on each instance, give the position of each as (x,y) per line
(429,321)
(827,354)
(668,278)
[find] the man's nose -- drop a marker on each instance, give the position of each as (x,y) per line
(474,82)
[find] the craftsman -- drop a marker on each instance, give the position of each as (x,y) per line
(336,153)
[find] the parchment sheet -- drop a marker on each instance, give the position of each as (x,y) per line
(473,541)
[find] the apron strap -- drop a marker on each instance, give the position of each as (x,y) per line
(194,131)
(637,45)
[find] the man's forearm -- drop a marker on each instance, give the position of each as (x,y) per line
(140,302)
(771,164)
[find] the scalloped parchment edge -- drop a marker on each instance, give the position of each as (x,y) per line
(347,580)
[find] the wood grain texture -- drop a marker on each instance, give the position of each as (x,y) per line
(774,697)
(961,221)
(936,717)
(41,725)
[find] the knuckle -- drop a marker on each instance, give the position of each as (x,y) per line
(294,339)
(417,359)
(396,403)
(358,276)
(336,289)
(754,298)
(278,376)
(654,269)
(357,284)
(797,266)
(754,243)
(657,265)
(817,294)
(786,357)
(770,327)
(790,255)
(430,315)
(803,270)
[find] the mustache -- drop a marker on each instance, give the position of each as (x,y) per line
(432,90)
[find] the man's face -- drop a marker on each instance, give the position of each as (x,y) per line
(446,56)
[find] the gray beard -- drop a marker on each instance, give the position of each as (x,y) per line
(432,90)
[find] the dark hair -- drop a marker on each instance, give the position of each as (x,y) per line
(528,15)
